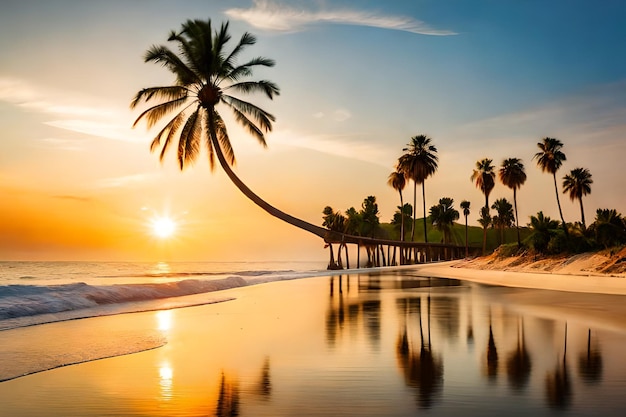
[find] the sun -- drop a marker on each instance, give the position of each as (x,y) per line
(163,227)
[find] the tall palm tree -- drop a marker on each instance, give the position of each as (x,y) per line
(418,163)
(578,183)
(484,178)
(397,181)
(207,75)
(512,175)
(465,205)
(549,159)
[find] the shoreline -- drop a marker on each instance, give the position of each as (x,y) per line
(614,284)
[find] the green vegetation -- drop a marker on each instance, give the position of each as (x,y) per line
(541,235)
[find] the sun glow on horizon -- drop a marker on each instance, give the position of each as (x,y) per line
(163,227)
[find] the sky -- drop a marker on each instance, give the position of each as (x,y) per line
(358,79)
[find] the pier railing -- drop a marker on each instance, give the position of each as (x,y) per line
(386,252)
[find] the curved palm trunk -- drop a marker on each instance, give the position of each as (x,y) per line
(558,202)
(424,204)
(519,241)
(316,230)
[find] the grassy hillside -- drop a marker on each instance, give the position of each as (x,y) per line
(474,234)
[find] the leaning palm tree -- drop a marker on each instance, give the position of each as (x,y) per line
(207,76)
(549,159)
(484,178)
(513,176)
(578,183)
(397,181)
(418,163)
(465,205)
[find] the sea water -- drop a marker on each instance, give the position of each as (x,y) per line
(371,343)
(33,294)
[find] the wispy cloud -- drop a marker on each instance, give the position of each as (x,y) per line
(268,15)
(345,146)
(70,112)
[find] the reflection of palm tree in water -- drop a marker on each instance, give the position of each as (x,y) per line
(519,363)
(492,354)
(558,385)
(264,386)
(228,400)
(423,371)
(590,363)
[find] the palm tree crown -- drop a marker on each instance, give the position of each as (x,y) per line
(550,158)
(512,175)
(418,163)
(484,177)
(208,75)
(397,181)
(578,184)
(443,216)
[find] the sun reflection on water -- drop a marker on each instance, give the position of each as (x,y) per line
(166,375)
(164,320)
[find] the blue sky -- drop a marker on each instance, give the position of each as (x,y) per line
(357,79)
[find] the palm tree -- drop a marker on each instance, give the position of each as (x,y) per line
(484,178)
(504,218)
(549,159)
(512,175)
(465,205)
(208,76)
(397,181)
(418,163)
(442,216)
(543,227)
(578,183)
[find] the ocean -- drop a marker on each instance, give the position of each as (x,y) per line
(33,293)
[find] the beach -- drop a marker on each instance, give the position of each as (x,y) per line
(348,343)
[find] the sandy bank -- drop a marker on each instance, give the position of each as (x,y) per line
(601,273)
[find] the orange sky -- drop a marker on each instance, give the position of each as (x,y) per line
(77,183)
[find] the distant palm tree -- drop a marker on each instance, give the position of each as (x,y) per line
(484,178)
(543,227)
(442,216)
(578,183)
(609,228)
(549,159)
(485,221)
(397,181)
(504,218)
(465,205)
(513,176)
(418,163)
(207,76)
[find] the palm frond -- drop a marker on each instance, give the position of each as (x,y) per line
(208,141)
(170,128)
(189,142)
(164,56)
(246,39)
(245,70)
(262,118)
(267,87)
(223,139)
(168,93)
(156,113)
